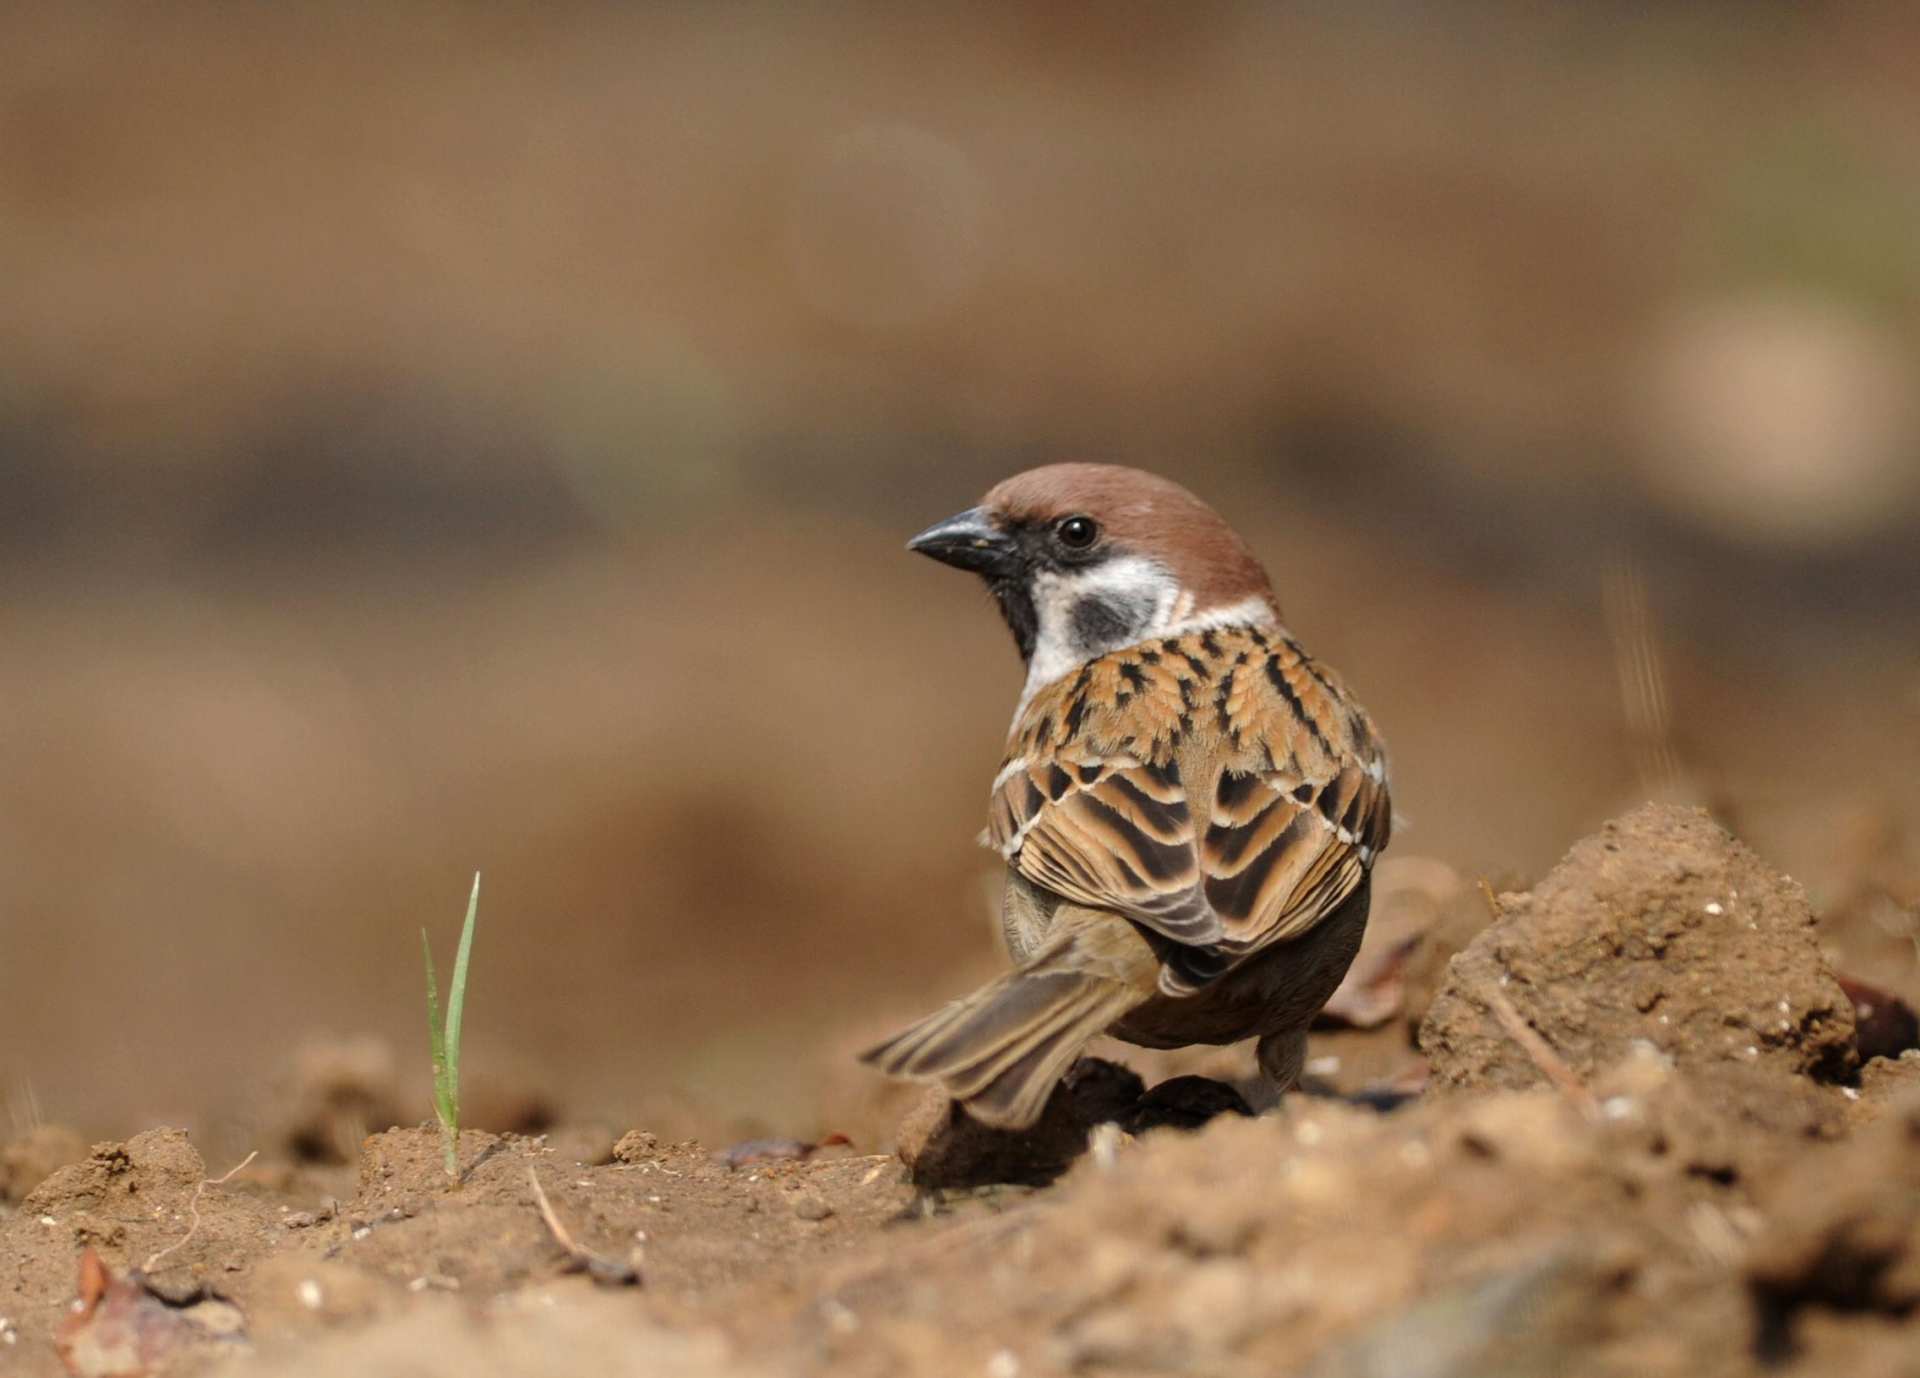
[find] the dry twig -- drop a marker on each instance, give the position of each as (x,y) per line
(193,1208)
(1552,1066)
(580,1259)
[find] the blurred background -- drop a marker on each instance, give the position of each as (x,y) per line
(449,437)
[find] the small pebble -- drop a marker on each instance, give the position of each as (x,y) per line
(840,1316)
(811,1205)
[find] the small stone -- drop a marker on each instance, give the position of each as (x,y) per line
(586,1144)
(635,1146)
(811,1205)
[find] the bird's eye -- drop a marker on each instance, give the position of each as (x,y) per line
(1077,533)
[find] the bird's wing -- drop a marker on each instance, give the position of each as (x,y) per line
(1111,831)
(1300,809)
(1092,804)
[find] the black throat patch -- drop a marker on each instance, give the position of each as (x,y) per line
(1016,605)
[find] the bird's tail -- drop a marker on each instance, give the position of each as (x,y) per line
(1003,1049)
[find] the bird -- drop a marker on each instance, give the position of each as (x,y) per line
(1189,805)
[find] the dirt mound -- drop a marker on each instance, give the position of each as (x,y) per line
(1661,928)
(118,1178)
(144,1209)
(144,1205)
(27,1161)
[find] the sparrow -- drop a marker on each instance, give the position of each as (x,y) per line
(1189,806)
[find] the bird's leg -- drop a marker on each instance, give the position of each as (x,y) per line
(1281,1057)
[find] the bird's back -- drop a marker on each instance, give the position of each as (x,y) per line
(1221,788)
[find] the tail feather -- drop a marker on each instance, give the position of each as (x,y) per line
(1002,1050)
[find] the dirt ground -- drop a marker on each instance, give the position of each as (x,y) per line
(1627,1122)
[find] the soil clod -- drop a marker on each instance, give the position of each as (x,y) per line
(1660,929)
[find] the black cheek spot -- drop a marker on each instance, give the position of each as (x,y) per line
(1100,622)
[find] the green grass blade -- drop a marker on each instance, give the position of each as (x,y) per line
(457,999)
(436,1031)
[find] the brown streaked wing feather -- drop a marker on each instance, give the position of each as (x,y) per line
(1295,825)
(1124,843)
(1095,810)
(1092,806)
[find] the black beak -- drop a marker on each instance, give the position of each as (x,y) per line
(970,541)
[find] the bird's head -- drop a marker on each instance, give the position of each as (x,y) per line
(1087,558)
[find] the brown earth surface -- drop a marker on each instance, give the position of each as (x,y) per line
(1598,1181)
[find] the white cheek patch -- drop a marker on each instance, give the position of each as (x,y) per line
(1120,602)
(1132,594)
